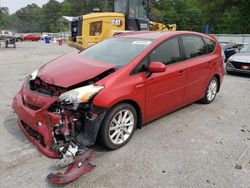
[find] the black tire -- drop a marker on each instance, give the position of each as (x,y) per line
(229,72)
(206,99)
(103,137)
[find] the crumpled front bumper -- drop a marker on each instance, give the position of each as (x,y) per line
(37,125)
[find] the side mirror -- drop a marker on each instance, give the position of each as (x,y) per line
(157,67)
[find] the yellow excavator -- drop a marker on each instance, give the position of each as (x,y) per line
(127,15)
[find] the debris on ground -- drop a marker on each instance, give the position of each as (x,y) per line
(237,166)
(243,130)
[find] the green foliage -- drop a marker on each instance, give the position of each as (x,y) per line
(28,18)
(223,16)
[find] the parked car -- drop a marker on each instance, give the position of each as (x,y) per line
(230,48)
(8,38)
(19,38)
(239,62)
(5,34)
(32,37)
(116,86)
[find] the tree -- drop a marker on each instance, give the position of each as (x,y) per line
(29,18)
(51,12)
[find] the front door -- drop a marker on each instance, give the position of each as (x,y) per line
(165,91)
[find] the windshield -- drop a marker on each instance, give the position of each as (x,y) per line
(245,49)
(138,9)
(118,51)
(120,6)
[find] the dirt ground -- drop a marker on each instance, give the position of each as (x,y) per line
(196,146)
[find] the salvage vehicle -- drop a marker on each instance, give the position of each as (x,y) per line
(239,62)
(112,88)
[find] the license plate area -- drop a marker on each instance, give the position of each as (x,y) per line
(245,67)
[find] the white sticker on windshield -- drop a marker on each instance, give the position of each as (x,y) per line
(142,42)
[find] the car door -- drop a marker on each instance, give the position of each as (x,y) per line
(198,67)
(165,91)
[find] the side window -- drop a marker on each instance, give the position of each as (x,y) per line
(95,28)
(193,46)
(142,66)
(210,45)
(167,53)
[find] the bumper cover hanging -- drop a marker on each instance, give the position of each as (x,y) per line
(80,167)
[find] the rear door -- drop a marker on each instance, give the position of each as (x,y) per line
(165,91)
(198,66)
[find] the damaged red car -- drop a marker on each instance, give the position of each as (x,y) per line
(107,91)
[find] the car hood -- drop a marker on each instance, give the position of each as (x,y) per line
(72,69)
(241,57)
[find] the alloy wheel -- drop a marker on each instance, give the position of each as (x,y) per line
(212,89)
(121,127)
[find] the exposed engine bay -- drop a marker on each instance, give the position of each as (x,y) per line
(66,122)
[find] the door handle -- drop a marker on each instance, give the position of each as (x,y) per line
(180,73)
(139,85)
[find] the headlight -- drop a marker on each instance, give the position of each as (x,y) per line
(33,75)
(229,60)
(81,94)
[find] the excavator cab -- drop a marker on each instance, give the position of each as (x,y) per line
(136,13)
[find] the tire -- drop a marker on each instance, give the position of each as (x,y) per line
(211,91)
(117,129)
(229,72)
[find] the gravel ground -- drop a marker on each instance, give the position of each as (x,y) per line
(196,146)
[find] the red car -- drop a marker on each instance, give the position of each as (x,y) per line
(32,37)
(114,87)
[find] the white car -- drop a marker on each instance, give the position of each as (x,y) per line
(239,62)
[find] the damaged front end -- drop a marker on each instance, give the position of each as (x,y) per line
(61,123)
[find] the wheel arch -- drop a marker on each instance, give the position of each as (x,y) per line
(219,81)
(137,108)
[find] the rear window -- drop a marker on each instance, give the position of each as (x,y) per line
(210,45)
(193,46)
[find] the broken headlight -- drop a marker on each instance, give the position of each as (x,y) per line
(80,95)
(33,75)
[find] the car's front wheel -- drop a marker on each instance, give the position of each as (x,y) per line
(118,126)
(211,91)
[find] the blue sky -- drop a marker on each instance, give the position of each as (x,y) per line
(15,5)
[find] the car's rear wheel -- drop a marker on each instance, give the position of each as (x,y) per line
(211,91)
(118,126)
